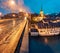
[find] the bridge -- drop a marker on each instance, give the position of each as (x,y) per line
(14,38)
(13,35)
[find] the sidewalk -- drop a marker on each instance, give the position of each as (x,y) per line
(25,43)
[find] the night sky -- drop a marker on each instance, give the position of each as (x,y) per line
(49,6)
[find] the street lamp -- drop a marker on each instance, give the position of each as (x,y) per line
(0,15)
(20,10)
(12,5)
(13,15)
(25,18)
(12,2)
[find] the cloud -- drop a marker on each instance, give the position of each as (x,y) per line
(14,5)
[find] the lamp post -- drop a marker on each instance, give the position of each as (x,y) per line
(12,5)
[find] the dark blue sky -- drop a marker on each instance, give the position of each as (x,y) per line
(49,6)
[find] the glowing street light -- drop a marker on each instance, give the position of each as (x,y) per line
(0,14)
(20,10)
(12,2)
(13,15)
(25,18)
(12,5)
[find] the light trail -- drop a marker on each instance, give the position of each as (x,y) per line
(6,27)
(11,39)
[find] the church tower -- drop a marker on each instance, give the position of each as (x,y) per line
(41,15)
(41,12)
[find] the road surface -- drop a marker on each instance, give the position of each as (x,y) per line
(8,45)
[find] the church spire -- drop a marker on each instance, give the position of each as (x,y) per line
(41,11)
(41,8)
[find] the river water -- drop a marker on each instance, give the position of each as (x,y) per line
(38,44)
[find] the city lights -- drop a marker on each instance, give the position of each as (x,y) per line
(29,26)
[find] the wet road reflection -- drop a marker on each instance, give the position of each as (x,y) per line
(44,44)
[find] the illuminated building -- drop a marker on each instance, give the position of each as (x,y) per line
(40,17)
